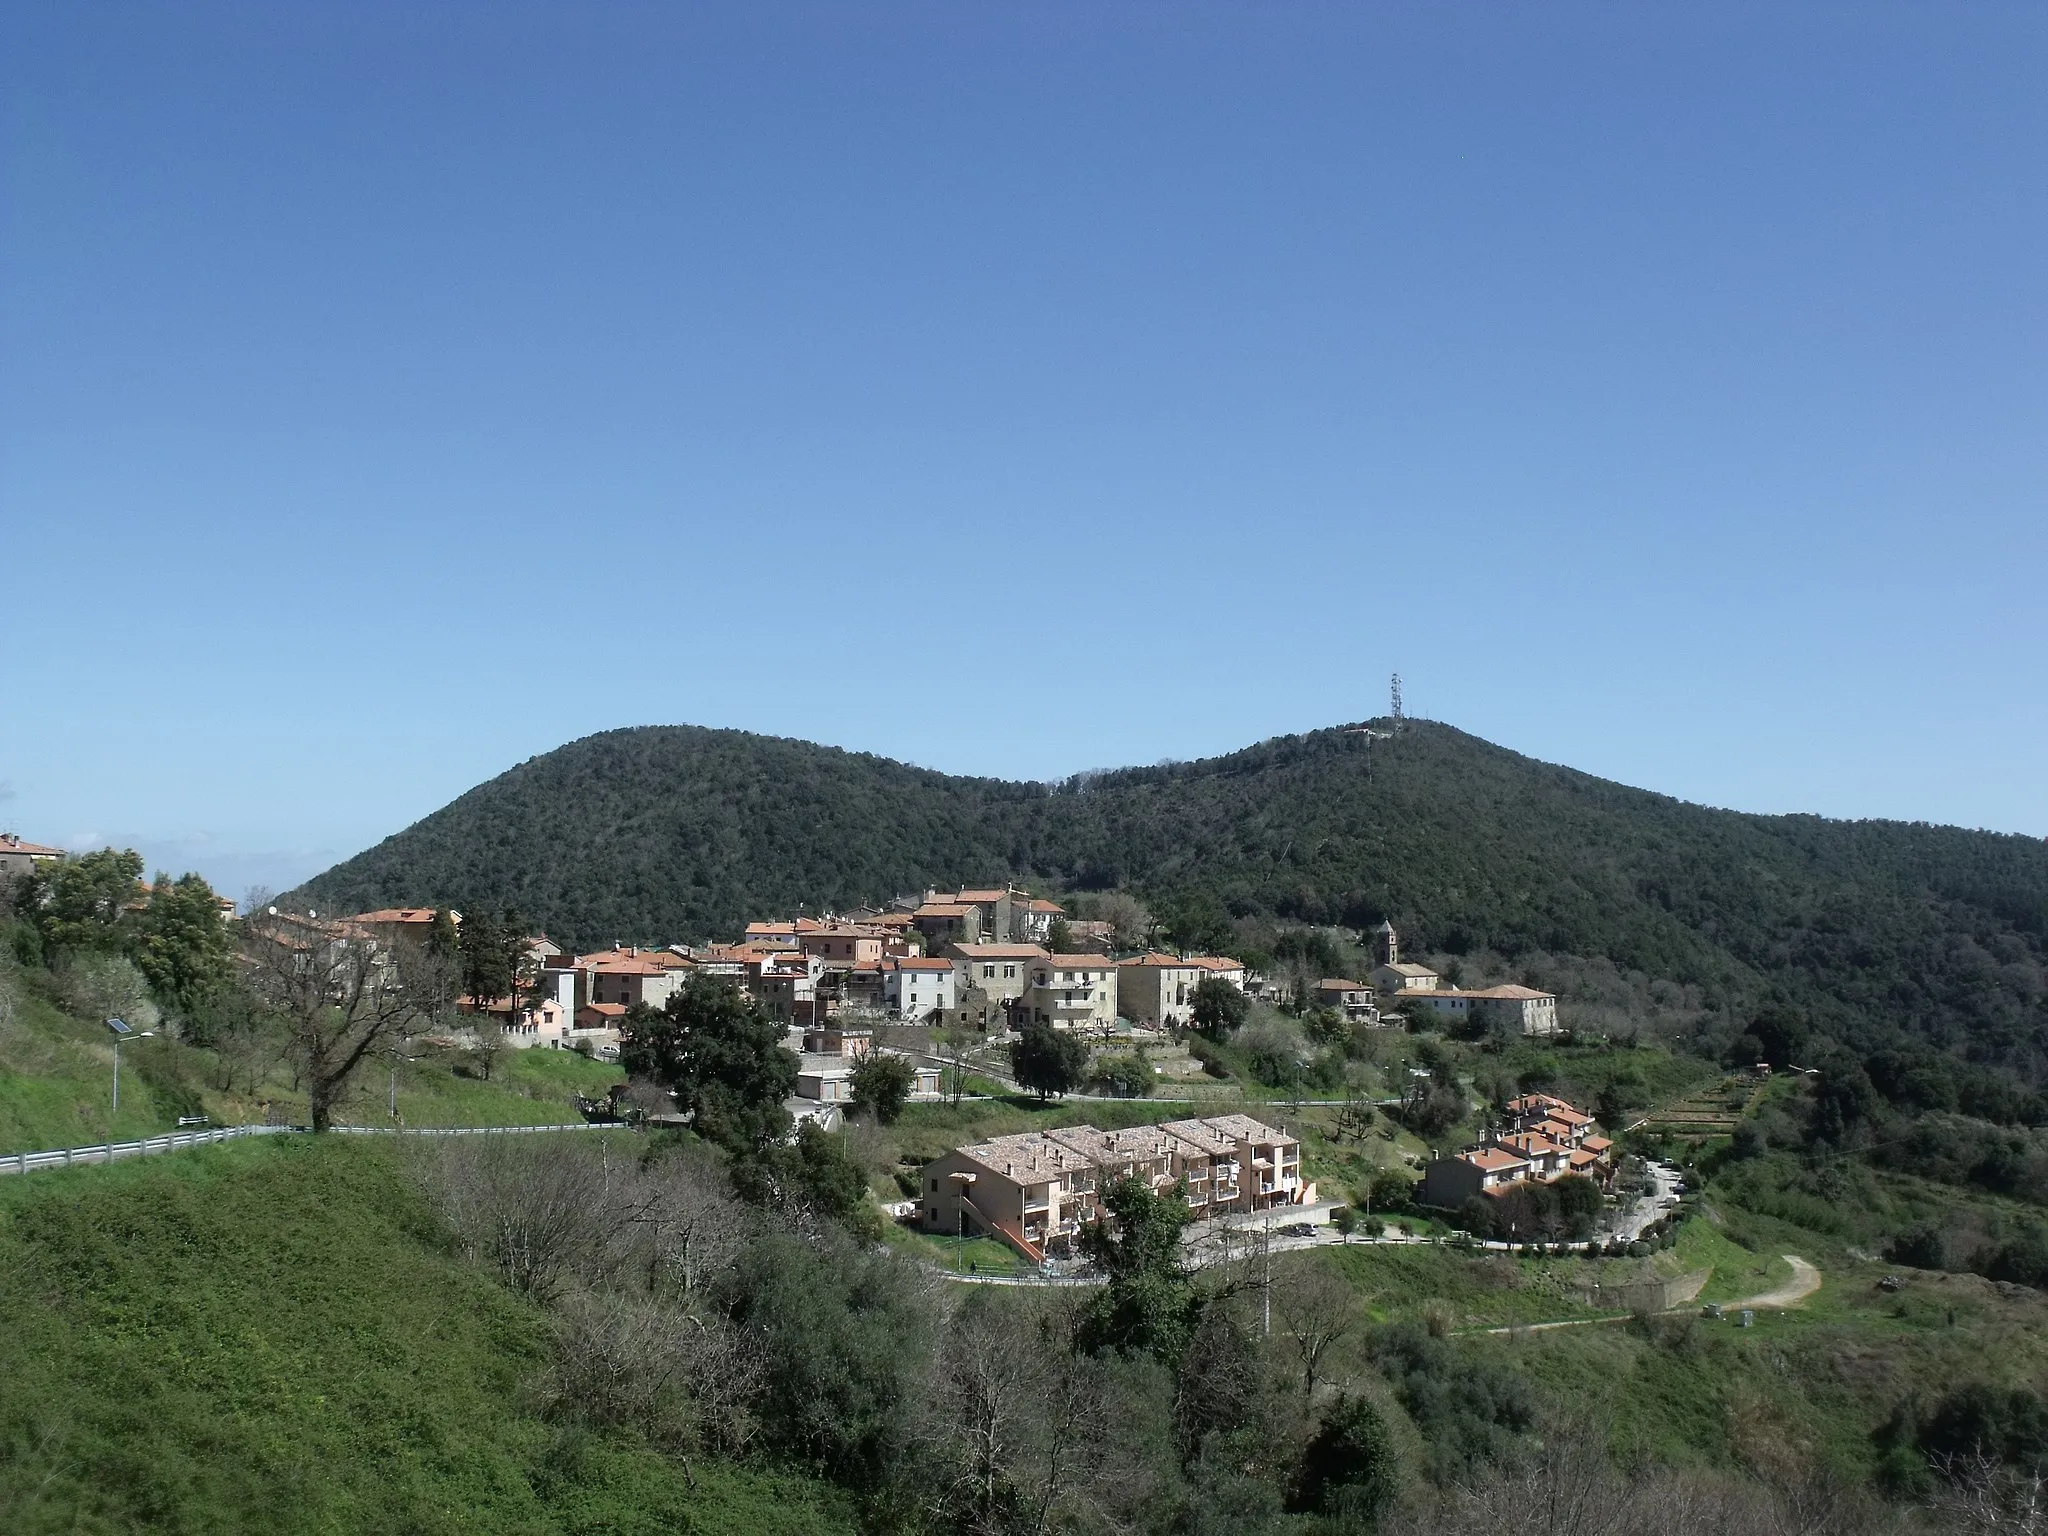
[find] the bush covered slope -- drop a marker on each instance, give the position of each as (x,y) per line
(272,1338)
(671,832)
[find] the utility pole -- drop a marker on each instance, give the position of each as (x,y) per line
(1266,1289)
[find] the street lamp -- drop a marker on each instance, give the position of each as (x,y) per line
(122,1031)
(960,1183)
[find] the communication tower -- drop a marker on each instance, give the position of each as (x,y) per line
(1397,701)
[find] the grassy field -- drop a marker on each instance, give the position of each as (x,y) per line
(269,1337)
(977,1255)
(56,1085)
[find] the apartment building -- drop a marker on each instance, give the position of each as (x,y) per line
(1546,1138)
(1158,989)
(1071,992)
(915,989)
(1036,1189)
(1000,970)
(844,946)
(1518,1010)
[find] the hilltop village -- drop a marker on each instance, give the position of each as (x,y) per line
(986,970)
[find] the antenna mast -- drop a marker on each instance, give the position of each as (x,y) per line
(1398,717)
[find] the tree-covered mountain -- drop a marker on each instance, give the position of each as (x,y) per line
(677,832)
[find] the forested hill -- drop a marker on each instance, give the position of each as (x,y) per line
(674,832)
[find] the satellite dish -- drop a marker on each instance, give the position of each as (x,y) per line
(271,910)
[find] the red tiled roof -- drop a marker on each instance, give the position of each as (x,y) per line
(1493,1159)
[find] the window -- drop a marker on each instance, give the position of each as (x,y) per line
(1009,973)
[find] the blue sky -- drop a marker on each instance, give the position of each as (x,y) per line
(391,393)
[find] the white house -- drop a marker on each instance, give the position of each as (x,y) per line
(914,989)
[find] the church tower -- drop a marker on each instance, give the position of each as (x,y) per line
(1388,943)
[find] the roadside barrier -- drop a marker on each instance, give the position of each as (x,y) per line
(179,1141)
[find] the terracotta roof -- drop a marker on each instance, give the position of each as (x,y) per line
(981,896)
(11,842)
(1157,961)
(1040,904)
(608,1010)
(1216,962)
(919,963)
(1407,968)
(623,965)
(1007,952)
(1245,1128)
(1530,1103)
(1340,984)
(1596,1144)
(941,909)
(396,915)
(1492,1160)
(1512,992)
(1081,962)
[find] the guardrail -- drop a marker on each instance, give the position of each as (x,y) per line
(179,1141)
(108,1151)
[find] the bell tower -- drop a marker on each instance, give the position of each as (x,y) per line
(1388,944)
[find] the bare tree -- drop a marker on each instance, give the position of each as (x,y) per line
(681,1378)
(1317,1309)
(1568,1486)
(541,1213)
(1979,1495)
(684,1224)
(1130,924)
(1025,1417)
(338,991)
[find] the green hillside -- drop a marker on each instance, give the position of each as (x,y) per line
(56,1081)
(1877,930)
(272,1338)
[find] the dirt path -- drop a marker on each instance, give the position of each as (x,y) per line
(1804,1282)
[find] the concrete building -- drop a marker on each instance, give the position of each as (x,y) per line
(786,985)
(947,922)
(994,908)
(391,924)
(1032,918)
(1448,1182)
(1513,1009)
(826,1079)
(1158,989)
(631,976)
(1399,979)
(1222,968)
(843,946)
(1353,999)
(1035,1190)
(915,989)
(1071,992)
(19,858)
(999,970)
